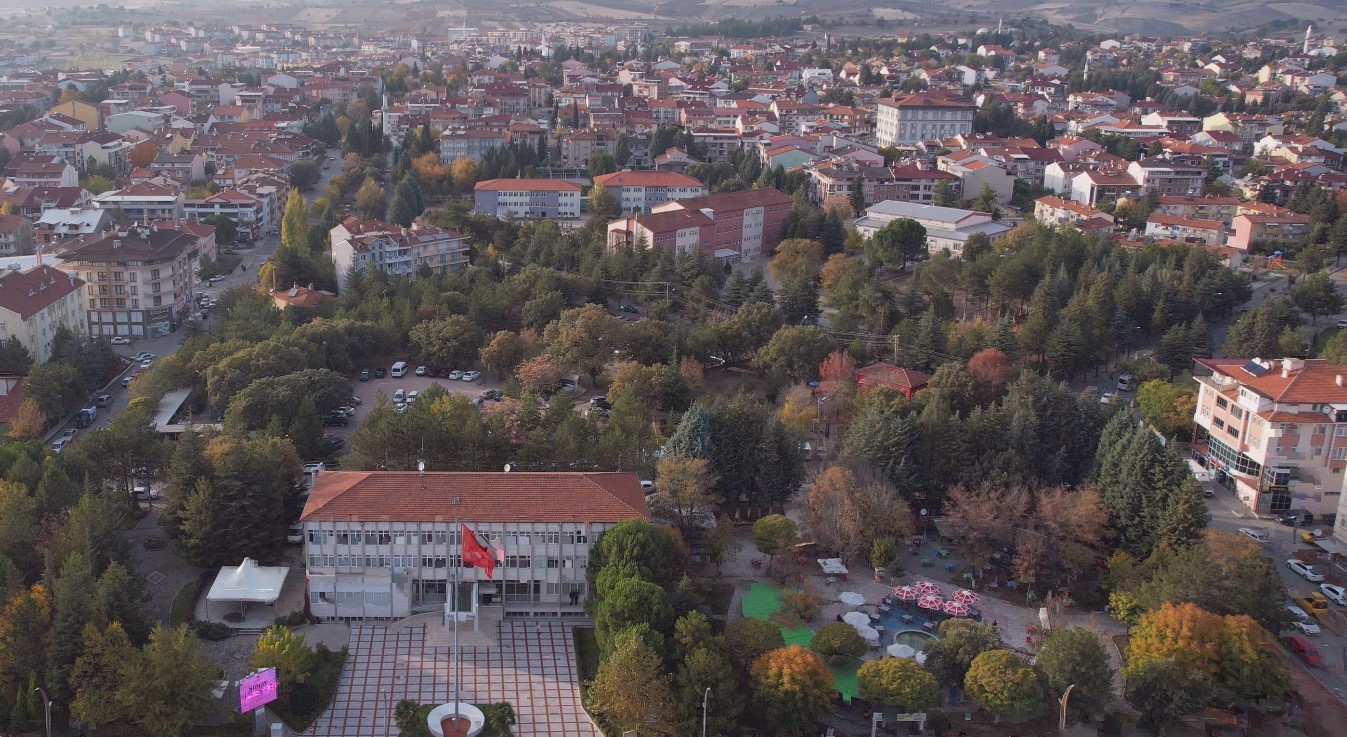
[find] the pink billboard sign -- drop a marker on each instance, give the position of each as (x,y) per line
(258,689)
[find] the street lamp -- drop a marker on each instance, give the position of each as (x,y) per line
(705,695)
(47,702)
(1061,722)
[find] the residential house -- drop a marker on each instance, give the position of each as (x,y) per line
(1057,212)
(1283,229)
(1188,230)
(251,214)
(143,201)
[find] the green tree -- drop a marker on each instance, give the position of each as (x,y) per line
(838,643)
(774,534)
(1164,692)
(1167,407)
(504,351)
(304,174)
(898,683)
(794,354)
(14,357)
(25,634)
(630,689)
(650,551)
(1006,686)
(226,231)
(285,650)
(96,678)
(371,200)
(170,692)
(306,430)
(1317,295)
(118,599)
(897,243)
(702,668)
(792,690)
(584,339)
(295,223)
(750,638)
(960,642)
(601,163)
(70,612)
(602,202)
(944,195)
(630,602)
(987,201)
(1075,655)
(447,341)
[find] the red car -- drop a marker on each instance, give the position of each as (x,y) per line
(1302,647)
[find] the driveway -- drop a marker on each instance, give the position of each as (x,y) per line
(532,667)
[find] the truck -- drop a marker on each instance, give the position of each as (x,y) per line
(86,416)
(1313,602)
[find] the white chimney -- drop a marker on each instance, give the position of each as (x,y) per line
(1338,379)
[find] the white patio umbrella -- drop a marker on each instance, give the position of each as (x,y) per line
(856,619)
(921,658)
(869,634)
(851,598)
(900,650)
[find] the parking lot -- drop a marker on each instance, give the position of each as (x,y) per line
(368,391)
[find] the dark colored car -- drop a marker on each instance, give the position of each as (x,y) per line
(630,309)
(1296,518)
(336,420)
(380,372)
(364,374)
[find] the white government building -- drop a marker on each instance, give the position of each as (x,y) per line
(384,545)
(946,227)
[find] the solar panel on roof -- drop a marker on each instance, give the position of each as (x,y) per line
(1254,368)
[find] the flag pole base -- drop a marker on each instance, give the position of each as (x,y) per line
(466,721)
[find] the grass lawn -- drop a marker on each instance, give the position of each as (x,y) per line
(1321,340)
(220,266)
(180,612)
(309,699)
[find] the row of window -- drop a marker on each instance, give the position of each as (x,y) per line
(432,561)
(439,537)
(355,598)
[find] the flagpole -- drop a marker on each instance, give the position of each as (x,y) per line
(458,574)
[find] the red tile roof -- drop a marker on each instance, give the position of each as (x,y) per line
(26,293)
(647,179)
(528,185)
(407,496)
(895,376)
(1314,381)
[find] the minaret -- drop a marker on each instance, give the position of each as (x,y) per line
(998,25)
(1085,76)
(1308,30)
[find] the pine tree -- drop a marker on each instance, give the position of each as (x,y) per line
(71,611)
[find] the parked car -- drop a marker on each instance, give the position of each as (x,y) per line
(364,374)
(1304,649)
(1309,628)
(400,396)
(120,340)
(1257,536)
(630,309)
(59,445)
(472,375)
(412,395)
(1125,383)
(314,467)
(1342,324)
(1106,398)
(1305,570)
(295,534)
(146,363)
(600,402)
(103,400)
(421,370)
(1335,594)
(142,356)
(126,381)
(336,419)
(355,401)
(454,375)
(380,372)
(1296,518)
(145,493)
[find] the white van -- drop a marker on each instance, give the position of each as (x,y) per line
(399,370)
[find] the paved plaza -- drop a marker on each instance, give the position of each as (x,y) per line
(533,668)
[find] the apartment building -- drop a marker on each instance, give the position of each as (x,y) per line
(143,201)
(946,227)
(1168,177)
(35,303)
(1286,228)
(528,198)
(1056,211)
(250,213)
(1274,432)
(911,119)
(469,144)
(748,224)
(639,191)
(1188,230)
(1203,208)
(361,245)
(138,280)
(383,545)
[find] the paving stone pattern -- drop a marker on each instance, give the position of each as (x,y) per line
(533,668)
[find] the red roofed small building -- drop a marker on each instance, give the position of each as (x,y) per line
(305,297)
(382,544)
(888,376)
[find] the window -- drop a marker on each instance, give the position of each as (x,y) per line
(553,562)
(402,538)
(518,561)
(1237,413)
(346,538)
(1232,431)
(441,537)
(343,561)
(1220,402)
(427,538)
(1218,423)
(1340,453)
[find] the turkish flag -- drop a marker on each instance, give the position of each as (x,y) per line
(474,554)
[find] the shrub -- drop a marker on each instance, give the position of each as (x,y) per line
(838,643)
